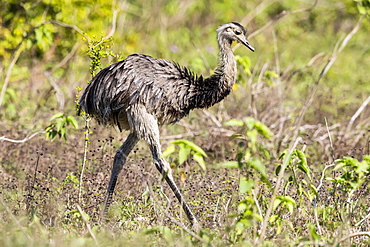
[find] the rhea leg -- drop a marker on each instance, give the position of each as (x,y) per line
(165,169)
(145,125)
(119,161)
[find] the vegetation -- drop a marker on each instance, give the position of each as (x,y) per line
(284,160)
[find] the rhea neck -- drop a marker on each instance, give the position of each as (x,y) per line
(226,68)
(219,85)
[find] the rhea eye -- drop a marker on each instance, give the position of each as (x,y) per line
(237,32)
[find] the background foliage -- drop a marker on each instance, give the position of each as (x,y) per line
(281,160)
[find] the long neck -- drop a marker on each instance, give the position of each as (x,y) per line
(226,68)
(215,88)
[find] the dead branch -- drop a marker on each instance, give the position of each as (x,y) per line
(3,138)
(16,55)
(66,58)
(85,220)
(355,234)
(276,19)
(74,27)
(59,93)
(358,112)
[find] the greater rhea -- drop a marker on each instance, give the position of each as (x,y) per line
(141,93)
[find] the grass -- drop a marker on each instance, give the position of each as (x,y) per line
(40,201)
(287,152)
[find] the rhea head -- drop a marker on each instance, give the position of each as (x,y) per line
(233,31)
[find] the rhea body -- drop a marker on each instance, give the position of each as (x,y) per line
(142,93)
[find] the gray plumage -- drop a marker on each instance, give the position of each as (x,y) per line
(141,93)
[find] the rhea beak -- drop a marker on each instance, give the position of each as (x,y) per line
(245,42)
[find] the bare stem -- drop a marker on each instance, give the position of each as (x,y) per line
(9,72)
(358,112)
(86,221)
(293,145)
(87,132)
(3,138)
(355,234)
(16,221)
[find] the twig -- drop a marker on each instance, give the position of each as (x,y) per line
(313,243)
(15,220)
(256,10)
(173,220)
(274,21)
(277,19)
(365,218)
(3,138)
(319,229)
(278,69)
(112,30)
(355,234)
(212,117)
(59,93)
(257,203)
(180,136)
(66,58)
(182,226)
(114,24)
(309,64)
(323,176)
(87,132)
(32,185)
(214,130)
(358,112)
(321,182)
(259,240)
(74,27)
(83,216)
(9,71)
(215,213)
(330,140)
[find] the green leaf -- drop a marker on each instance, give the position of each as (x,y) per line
(263,129)
(183,153)
(58,115)
(314,235)
(60,124)
(249,121)
(169,150)
(253,137)
(273,218)
(282,154)
(229,164)
(277,202)
(198,157)
(234,122)
(339,166)
(72,120)
(302,163)
(236,136)
(245,62)
(63,133)
(167,235)
(258,166)
(314,190)
(245,185)
(287,201)
(270,74)
(191,145)
(361,9)
(277,170)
